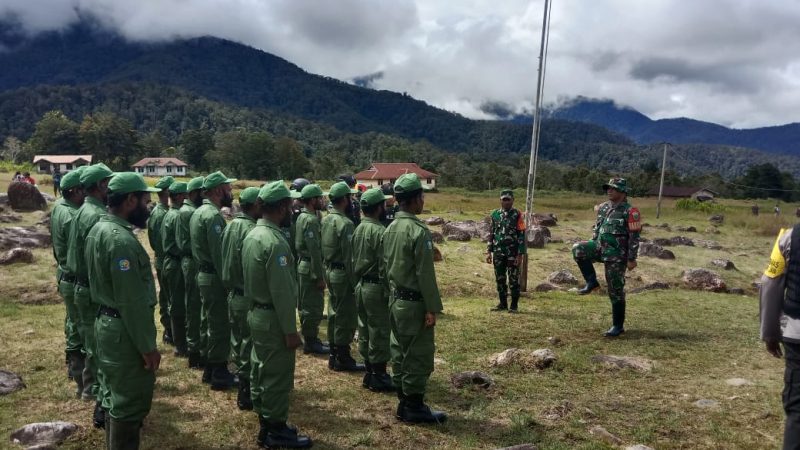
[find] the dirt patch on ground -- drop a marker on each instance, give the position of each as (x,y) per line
(40,293)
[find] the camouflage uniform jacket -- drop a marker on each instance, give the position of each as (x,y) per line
(508,233)
(617,231)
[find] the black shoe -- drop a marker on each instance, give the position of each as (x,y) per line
(243,400)
(280,435)
(195,361)
(589,287)
(614,331)
(379,380)
(315,347)
(500,307)
(331,356)
(99,416)
(207,373)
(367,376)
(221,378)
(166,338)
(415,410)
(343,362)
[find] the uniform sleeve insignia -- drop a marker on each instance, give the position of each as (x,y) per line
(217,228)
(777,263)
(310,234)
(283,261)
(634,220)
(124,264)
(520,223)
(429,245)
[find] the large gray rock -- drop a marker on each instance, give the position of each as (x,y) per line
(16,255)
(3,198)
(437,237)
(10,218)
(704,280)
(723,264)
(713,245)
(624,362)
(468,227)
(681,240)
(41,436)
(25,237)
(545,220)
(25,197)
(537,359)
(603,434)
(537,236)
(716,219)
(437,254)
(458,235)
(10,382)
(688,229)
(546,287)
(48,198)
(434,221)
(655,251)
(562,277)
(471,378)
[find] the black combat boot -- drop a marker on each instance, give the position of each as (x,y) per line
(263,429)
(587,270)
(314,346)
(179,336)
(207,373)
(503,305)
(415,410)
(99,415)
(344,362)
(618,320)
(221,378)
(380,381)
(75,366)
(514,304)
(331,356)
(280,435)
(166,338)
(367,376)
(243,399)
(195,361)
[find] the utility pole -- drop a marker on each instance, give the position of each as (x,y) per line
(661,186)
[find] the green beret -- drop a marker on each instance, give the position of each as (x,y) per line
(507,193)
(340,189)
(617,183)
(311,191)
(215,179)
(408,182)
(94,173)
(127,182)
(178,187)
(373,197)
(275,191)
(195,184)
(70,180)
(165,182)
(248,196)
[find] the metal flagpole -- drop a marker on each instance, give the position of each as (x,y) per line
(661,185)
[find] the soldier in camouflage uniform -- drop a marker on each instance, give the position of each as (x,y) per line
(506,249)
(616,243)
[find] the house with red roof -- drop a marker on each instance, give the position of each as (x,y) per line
(60,163)
(381,173)
(161,166)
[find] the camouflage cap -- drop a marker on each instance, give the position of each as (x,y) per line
(506,193)
(178,187)
(127,182)
(71,179)
(373,197)
(340,189)
(248,196)
(195,184)
(618,184)
(165,182)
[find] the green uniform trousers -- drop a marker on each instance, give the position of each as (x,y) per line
(373,322)
(172,276)
(71,330)
(412,346)
(272,373)
(311,303)
(342,314)
(163,295)
(241,343)
(193,306)
(615,267)
(130,386)
(87,313)
(215,304)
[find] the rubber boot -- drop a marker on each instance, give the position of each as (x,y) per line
(75,366)
(380,381)
(243,399)
(589,274)
(618,320)
(221,378)
(503,305)
(514,304)
(416,411)
(207,373)
(179,336)
(314,346)
(99,415)
(124,435)
(343,362)
(401,403)
(263,429)
(195,361)
(367,376)
(280,435)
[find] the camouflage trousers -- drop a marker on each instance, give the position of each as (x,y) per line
(506,274)
(588,252)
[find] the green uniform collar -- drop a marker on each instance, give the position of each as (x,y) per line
(268,224)
(118,220)
(187,202)
(406,215)
(366,219)
(176,207)
(68,203)
(244,216)
(94,201)
(209,202)
(337,212)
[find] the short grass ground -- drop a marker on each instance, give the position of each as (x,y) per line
(697,340)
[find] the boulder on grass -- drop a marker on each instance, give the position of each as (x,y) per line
(545,220)
(723,264)
(716,219)
(624,362)
(437,254)
(40,436)
(537,236)
(10,382)
(26,237)
(25,197)
(471,378)
(434,221)
(537,359)
(437,237)
(16,255)
(655,251)
(562,277)
(704,280)
(458,235)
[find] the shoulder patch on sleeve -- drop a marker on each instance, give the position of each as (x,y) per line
(634,220)
(124,264)
(283,260)
(521,222)
(777,263)
(217,228)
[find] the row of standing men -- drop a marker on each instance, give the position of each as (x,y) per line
(232,292)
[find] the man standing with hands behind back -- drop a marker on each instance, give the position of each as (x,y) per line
(506,250)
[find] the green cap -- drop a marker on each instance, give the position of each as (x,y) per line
(215,179)
(275,191)
(94,173)
(248,196)
(195,184)
(165,182)
(507,193)
(340,189)
(127,182)
(408,182)
(70,180)
(311,191)
(617,183)
(373,197)
(178,187)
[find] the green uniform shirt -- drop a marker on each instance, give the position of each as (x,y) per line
(232,241)
(122,278)
(368,249)
(337,232)
(88,215)
(60,223)
(308,242)
(205,231)
(617,230)
(154,229)
(269,275)
(508,233)
(408,256)
(169,236)
(182,237)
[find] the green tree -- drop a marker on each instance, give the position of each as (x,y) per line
(195,144)
(55,134)
(291,161)
(110,138)
(13,150)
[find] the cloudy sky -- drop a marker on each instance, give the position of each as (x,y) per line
(732,62)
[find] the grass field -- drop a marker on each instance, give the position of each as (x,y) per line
(697,340)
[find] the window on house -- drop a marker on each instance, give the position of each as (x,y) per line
(181,169)
(427,181)
(151,169)
(391,181)
(380,182)
(169,169)
(43,167)
(69,166)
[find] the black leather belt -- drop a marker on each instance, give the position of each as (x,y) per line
(239,292)
(408,295)
(68,277)
(336,265)
(207,269)
(108,311)
(374,280)
(268,307)
(83,282)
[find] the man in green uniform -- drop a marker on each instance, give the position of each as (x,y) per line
(205,229)
(154,237)
(123,286)
(371,292)
(195,343)
(64,210)
(414,302)
(238,304)
(310,271)
(506,249)
(172,272)
(615,242)
(337,234)
(94,180)
(270,280)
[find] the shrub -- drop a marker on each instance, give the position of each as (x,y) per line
(689,204)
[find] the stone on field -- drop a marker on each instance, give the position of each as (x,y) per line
(434,221)
(704,280)
(40,436)
(458,235)
(10,382)
(712,230)
(437,254)
(738,382)
(716,219)
(537,359)
(16,255)
(603,434)
(650,287)
(713,245)
(558,412)
(638,447)
(10,218)
(546,220)
(471,378)
(437,237)
(655,251)
(737,291)
(562,277)
(477,230)
(546,287)
(25,197)
(706,403)
(723,263)
(26,237)
(537,236)
(624,362)
(689,229)
(681,240)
